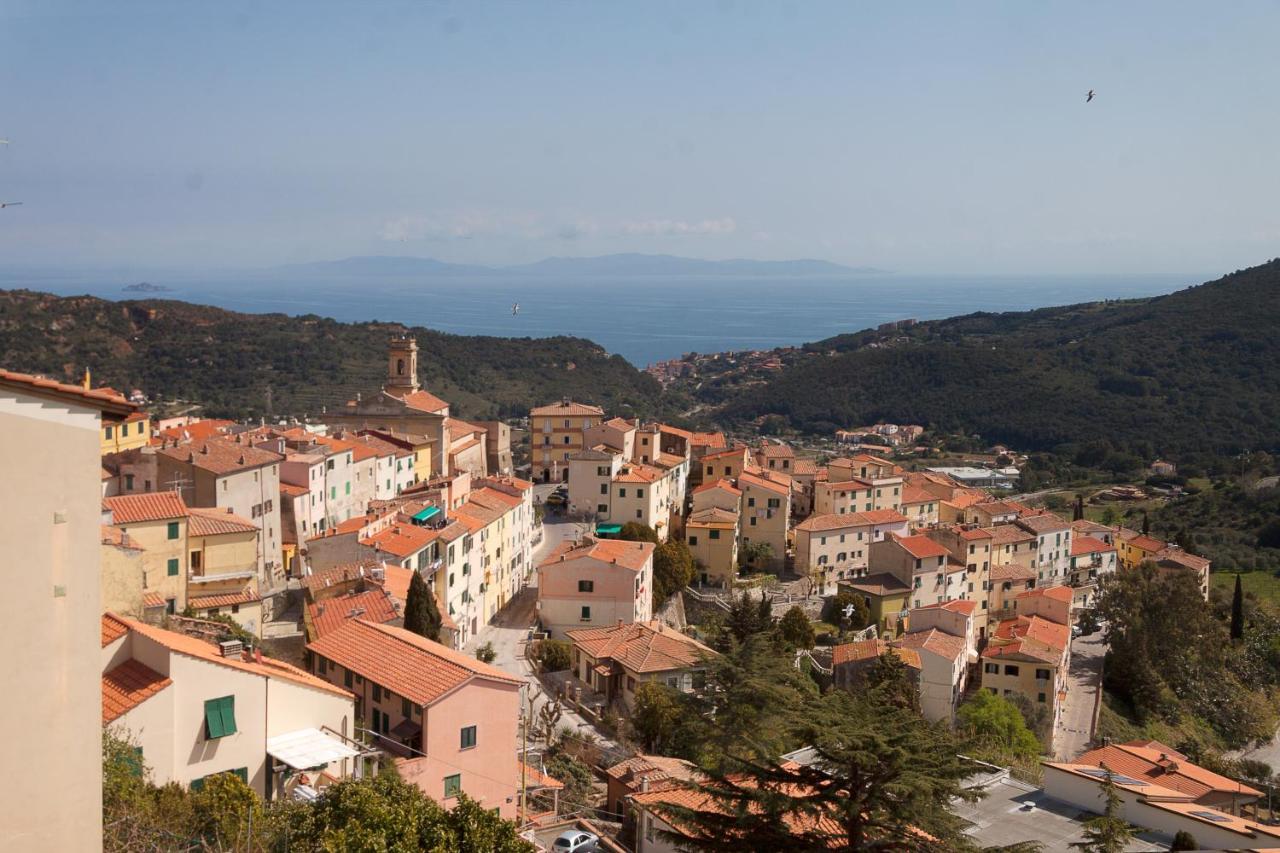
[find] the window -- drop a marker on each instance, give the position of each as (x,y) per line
(603,509)
(631,684)
(1040,697)
(128,482)
(586,586)
(452,785)
(639,493)
(1042,674)
(171,606)
(992,668)
(586,614)
(173,566)
(348,487)
(640,514)
(753,521)
(219,717)
(622,492)
(693,540)
(714,534)
(377,693)
(333,493)
(109,432)
(468,737)
(751,501)
(195,560)
(173,530)
(1010,669)
(604,488)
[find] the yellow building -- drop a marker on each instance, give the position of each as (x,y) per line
(224,555)
(122,573)
(712,536)
(556,433)
(129,434)
(885,597)
(157,522)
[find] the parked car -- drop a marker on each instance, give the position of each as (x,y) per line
(576,841)
(556,499)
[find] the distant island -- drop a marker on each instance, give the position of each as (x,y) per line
(147,287)
(627,264)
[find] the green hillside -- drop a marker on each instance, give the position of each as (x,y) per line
(234,363)
(1194,373)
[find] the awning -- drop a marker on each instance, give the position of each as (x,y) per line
(608,529)
(406,729)
(426,513)
(308,748)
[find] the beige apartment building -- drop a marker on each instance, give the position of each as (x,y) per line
(1030,653)
(223,556)
(557,432)
(833,547)
(765,516)
(712,537)
(157,523)
(52,530)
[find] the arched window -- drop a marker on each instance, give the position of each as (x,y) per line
(399,367)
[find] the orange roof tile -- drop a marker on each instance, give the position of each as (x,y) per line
(885,516)
(149,506)
(152,600)
(682,433)
(104,399)
(638,473)
(709,440)
(224,599)
(112,629)
(940,643)
(763,483)
(629,555)
(403,662)
(718,484)
(423,401)
(567,408)
(402,540)
(215,522)
(921,547)
(373,605)
(917,495)
(1057,593)
(221,455)
(196,431)
(120,539)
(642,646)
(293,491)
(1164,766)
(128,686)
(325,578)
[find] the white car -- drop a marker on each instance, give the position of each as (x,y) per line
(575,841)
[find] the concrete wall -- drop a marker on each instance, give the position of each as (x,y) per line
(51,530)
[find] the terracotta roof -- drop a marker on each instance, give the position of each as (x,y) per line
(197,431)
(214,522)
(535,778)
(1012,572)
(878,584)
(221,455)
(635,472)
(1008,534)
(1146,789)
(940,643)
(713,517)
(1088,545)
(885,516)
(373,605)
(293,491)
(709,440)
(739,451)
(112,629)
(1165,766)
(642,646)
(1045,522)
(653,769)
(225,599)
(629,555)
(423,401)
(120,539)
(195,648)
(1084,525)
(403,662)
(865,650)
(128,686)
(379,446)
(402,540)
(763,482)
(1182,558)
(1057,593)
(682,433)
(921,547)
(718,484)
(965,500)
(152,600)
(1038,637)
(770,449)
(956,605)
(917,495)
(570,408)
(103,399)
(325,578)
(149,506)
(804,468)
(970,534)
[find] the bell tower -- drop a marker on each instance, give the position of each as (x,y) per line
(402,365)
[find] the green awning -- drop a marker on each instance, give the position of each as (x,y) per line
(424,514)
(608,529)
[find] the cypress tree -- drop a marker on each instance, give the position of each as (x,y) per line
(421,616)
(1237,611)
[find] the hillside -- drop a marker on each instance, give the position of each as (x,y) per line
(1194,373)
(234,363)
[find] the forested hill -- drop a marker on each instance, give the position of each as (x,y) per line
(234,363)
(1195,372)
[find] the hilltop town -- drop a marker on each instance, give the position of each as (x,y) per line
(500,611)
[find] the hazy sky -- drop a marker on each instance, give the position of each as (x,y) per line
(922,137)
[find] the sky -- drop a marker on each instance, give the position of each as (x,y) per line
(914,137)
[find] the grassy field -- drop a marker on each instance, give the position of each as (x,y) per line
(1262,585)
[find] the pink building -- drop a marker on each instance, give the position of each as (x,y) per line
(596,583)
(453,720)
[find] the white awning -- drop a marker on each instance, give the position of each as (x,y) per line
(307,748)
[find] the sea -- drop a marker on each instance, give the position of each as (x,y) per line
(643,319)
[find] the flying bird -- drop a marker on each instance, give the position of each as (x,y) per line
(4,204)
(515,309)
(1088,97)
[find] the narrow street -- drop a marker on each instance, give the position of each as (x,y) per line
(1084,681)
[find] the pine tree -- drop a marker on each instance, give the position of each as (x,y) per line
(1107,833)
(421,616)
(1237,611)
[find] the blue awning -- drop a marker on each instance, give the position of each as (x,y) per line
(424,514)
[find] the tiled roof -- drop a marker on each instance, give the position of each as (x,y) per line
(112,629)
(128,686)
(885,516)
(682,433)
(1008,534)
(225,599)
(1057,593)
(864,650)
(713,517)
(535,778)
(642,646)
(569,408)
(940,643)
(120,539)
(1182,558)
(1165,766)
(1011,572)
(293,491)
(214,522)
(423,401)
(1084,525)
(738,451)
(196,431)
(1146,789)
(917,495)
(402,540)
(629,555)
(718,484)
(266,667)
(221,455)
(152,600)
(325,578)
(149,506)
(1088,545)
(373,605)
(804,468)
(956,605)
(762,482)
(1035,628)
(920,547)
(403,662)
(638,473)
(1045,522)
(709,440)
(652,769)
(773,450)
(879,584)
(99,398)
(970,534)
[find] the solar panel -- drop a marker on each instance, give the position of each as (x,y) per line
(1216,817)
(1119,779)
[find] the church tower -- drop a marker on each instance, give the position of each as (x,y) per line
(402,365)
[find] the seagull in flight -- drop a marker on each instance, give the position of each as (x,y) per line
(4,204)
(1088,97)
(515,309)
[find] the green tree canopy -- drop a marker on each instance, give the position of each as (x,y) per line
(673,570)
(993,721)
(421,616)
(634,531)
(796,630)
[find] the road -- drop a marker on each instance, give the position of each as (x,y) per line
(509,632)
(1084,680)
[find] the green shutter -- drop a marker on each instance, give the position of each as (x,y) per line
(229,714)
(243,773)
(220,717)
(197,785)
(348,487)
(173,566)
(452,785)
(173,530)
